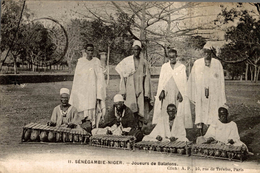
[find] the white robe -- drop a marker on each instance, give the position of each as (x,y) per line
(135,81)
(162,129)
(202,77)
(173,81)
(223,132)
(88,86)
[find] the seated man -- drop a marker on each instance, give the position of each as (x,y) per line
(169,128)
(223,133)
(120,120)
(64,114)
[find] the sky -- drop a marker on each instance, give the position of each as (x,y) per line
(65,10)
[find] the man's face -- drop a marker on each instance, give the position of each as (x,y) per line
(171,112)
(223,117)
(207,61)
(119,105)
(136,51)
(90,51)
(64,98)
(172,57)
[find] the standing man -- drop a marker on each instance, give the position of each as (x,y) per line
(135,83)
(172,90)
(206,88)
(88,89)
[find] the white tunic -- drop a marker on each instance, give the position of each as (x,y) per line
(223,132)
(173,81)
(202,77)
(88,85)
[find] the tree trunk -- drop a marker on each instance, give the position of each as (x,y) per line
(252,74)
(15,63)
(33,67)
(1,62)
(108,54)
(143,32)
(1,65)
(246,72)
(69,64)
(15,66)
(255,76)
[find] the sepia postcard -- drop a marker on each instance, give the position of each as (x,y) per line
(129,86)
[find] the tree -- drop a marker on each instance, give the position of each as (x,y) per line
(244,43)
(13,14)
(74,30)
(37,43)
(149,17)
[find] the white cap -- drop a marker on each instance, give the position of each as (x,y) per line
(118,98)
(64,91)
(137,43)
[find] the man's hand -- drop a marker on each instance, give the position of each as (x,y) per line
(159,138)
(179,97)
(124,96)
(72,126)
(124,133)
(151,102)
(118,123)
(137,95)
(172,139)
(231,141)
(51,124)
(207,92)
(162,95)
(109,132)
(146,98)
(210,139)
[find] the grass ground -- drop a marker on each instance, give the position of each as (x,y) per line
(35,102)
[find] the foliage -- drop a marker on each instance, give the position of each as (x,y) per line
(243,39)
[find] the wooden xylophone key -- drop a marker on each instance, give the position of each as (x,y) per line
(30,125)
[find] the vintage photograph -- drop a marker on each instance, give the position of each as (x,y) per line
(129,86)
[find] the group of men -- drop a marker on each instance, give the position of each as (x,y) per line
(204,88)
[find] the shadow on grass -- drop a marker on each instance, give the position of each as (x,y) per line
(247,123)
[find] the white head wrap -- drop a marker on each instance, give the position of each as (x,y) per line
(64,91)
(137,43)
(118,98)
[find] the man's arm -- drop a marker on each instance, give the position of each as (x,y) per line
(234,135)
(147,82)
(110,119)
(122,86)
(53,118)
(101,88)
